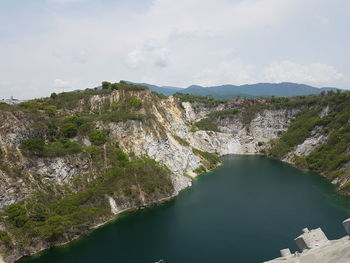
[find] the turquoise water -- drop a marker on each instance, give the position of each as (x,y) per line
(244,212)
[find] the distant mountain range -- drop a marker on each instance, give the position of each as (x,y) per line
(285,89)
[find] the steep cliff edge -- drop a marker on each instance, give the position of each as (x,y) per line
(319,140)
(76,160)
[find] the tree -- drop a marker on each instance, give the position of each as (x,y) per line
(69,130)
(34,146)
(106,85)
(16,214)
(98,137)
(53,95)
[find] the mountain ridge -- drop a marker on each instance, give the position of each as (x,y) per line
(229,91)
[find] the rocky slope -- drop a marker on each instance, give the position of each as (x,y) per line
(82,158)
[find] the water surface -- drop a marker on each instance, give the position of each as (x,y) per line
(244,212)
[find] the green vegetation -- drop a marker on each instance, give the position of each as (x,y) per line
(181,141)
(248,108)
(210,123)
(61,148)
(33,146)
(200,169)
(330,157)
(98,137)
(206,101)
(57,216)
(299,130)
(69,130)
(50,110)
(122,85)
(211,160)
(207,124)
(39,148)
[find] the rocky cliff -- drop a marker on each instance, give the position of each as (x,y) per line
(76,160)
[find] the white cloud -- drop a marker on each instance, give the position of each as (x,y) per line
(211,17)
(230,72)
(61,84)
(171,42)
(148,55)
(289,71)
(64,1)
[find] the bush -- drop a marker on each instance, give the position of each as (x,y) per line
(98,137)
(69,130)
(50,110)
(122,157)
(207,124)
(78,121)
(212,160)
(106,85)
(4,238)
(115,106)
(61,148)
(33,146)
(136,103)
(16,215)
(93,151)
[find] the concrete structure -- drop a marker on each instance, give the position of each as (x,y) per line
(346,224)
(311,239)
(316,248)
(285,253)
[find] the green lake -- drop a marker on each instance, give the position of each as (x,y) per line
(243,212)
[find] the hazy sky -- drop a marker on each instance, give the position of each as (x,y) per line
(57,45)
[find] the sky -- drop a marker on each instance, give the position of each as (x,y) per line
(60,45)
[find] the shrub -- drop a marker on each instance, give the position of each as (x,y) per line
(98,137)
(33,146)
(181,141)
(212,159)
(106,85)
(115,106)
(69,130)
(50,110)
(207,124)
(93,151)
(122,157)
(78,121)
(61,148)
(136,103)
(16,215)
(4,238)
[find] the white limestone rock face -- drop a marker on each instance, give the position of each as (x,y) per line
(271,123)
(60,170)
(219,143)
(237,138)
(189,112)
(309,145)
(114,208)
